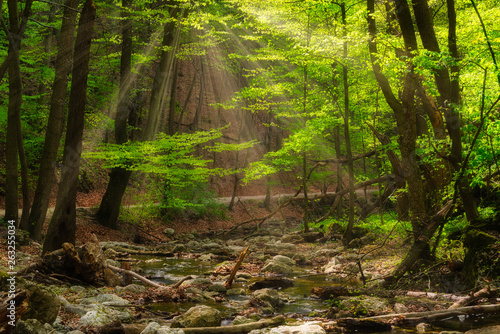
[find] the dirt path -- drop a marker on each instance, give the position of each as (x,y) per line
(226,200)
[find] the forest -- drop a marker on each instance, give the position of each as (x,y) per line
(231,166)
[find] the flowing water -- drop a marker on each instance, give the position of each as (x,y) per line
(170,270)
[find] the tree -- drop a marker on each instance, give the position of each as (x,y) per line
(14,143)
(63,223)
(109,208)
(56,121)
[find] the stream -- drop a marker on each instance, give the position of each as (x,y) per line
(170,270)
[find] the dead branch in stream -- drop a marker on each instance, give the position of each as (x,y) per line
(139,277)
(236,267)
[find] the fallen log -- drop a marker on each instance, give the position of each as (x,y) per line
(467,310)
(485,292)
(242,328)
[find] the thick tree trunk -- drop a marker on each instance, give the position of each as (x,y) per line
(55,125)
(109,209)
(63,223)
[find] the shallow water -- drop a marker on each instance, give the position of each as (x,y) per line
(171,270)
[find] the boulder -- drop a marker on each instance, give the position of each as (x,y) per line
(277,268)
(43,304)
(283,260)
(268,295)
(32,326)
(102,315)
(363,305)
(238,320)
(132,288)
(198,316)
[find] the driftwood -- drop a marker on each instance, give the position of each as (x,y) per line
(467,310)
(413,318)
(139,277)
(242,328)
(178,284)
(485,292)
(236,267)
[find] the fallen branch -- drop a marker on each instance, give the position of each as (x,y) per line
(478,309)
(485,292)
(236,267)
(139,277)
(178,284)
(242,328)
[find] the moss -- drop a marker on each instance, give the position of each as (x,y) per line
(476,239)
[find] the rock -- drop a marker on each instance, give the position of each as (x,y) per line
(198,316)
(300,258)
(238,320)
(271,282)
(244,275)
(332,266)
(268,295)
(75,332)
(193,245)
(198,281)
(277,268)
(110,278)
(485,330)
(102,315)
(292,238)
(217,287)
(43,304)
(32,326)
(75,309)
(207,257)
(235,292)
(423,327)
(132,288)
(169,232)
(307,328)
(363,305)
(106,299)
(451,332)
(179,248)
(326,252)
(283,260)
(400,308)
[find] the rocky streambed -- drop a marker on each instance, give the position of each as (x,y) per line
(290,282)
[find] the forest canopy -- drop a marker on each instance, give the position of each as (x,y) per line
(333,95)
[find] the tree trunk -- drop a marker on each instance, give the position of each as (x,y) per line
(63,223)
(161,80)
(109,209)
(13,116)
(55,125)
(350,225)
